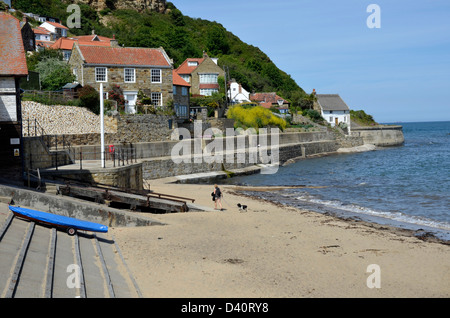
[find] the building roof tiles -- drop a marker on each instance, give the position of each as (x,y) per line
(12,52)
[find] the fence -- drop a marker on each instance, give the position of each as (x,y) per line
(74,159)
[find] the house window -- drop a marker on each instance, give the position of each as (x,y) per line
(208,78)
(174,90)
(156,76)
(130,75)
(184,91)
(75,73)
(156,99)
(192,63)
(100,74)
(331,119)
(208,91)
(181,111)
(186,77)
(66,55)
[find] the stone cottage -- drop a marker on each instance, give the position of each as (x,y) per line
(133,69)
(202,74)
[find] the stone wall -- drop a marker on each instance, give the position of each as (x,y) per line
(162,167)
(381,136)
(79,126)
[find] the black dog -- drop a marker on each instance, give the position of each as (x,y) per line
(242,207)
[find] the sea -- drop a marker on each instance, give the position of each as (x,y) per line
(406,186)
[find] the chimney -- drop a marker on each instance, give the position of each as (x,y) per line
(93,32)
(314,91)
(114,42)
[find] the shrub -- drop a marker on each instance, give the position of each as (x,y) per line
(116,93)
(255,117)
(313,114)
(90,98)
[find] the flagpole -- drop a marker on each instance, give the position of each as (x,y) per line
(102,128)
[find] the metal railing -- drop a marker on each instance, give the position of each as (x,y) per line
(77,159)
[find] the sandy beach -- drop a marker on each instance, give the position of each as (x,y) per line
(275,251)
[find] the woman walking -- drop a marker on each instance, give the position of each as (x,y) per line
(217,197)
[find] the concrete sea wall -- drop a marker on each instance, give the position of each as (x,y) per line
(380,136)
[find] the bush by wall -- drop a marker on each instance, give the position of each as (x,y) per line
(254,117)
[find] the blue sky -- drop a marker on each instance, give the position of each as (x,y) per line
(399,72)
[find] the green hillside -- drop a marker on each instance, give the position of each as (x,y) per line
(181,37)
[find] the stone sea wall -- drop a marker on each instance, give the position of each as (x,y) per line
(380,136)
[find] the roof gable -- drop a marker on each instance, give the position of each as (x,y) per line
(331,102)
(12,52)
(127,56)
(187,66)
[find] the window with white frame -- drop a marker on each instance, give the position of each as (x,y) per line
(156,76)
(100,74)
(186,77)
(192,63)
(208,78)
(156,99)
(208,91)
(130,75)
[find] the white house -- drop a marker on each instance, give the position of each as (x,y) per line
(237,93)
(333,109)
(57,29)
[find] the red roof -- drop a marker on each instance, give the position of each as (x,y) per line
(57,25)
(177,80)
(67,43)
(39,30)
(44,44)
(184,68)
(92,38)
(123,56)
(12,53)
(268,100)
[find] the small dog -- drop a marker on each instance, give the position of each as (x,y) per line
(242,207)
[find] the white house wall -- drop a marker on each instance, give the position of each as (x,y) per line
(8,106)
(342,116)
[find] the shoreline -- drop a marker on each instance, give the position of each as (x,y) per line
(272,250)
(389,225)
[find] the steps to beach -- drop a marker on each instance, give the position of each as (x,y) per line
(37,261)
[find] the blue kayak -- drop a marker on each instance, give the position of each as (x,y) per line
(71,224)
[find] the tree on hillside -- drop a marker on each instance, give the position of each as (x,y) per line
(216,41)
(54,73)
